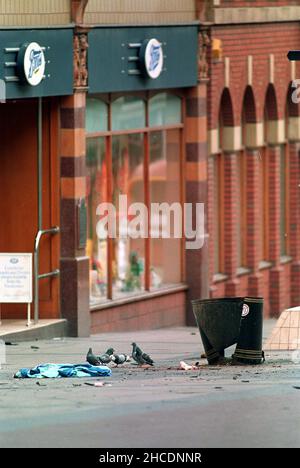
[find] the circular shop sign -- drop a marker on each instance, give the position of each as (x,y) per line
(246,310)
(31,63)
(152,58)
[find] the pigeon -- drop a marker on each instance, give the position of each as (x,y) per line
(110,351)
(107,357)
(92,359)
(140,357)
(120,359)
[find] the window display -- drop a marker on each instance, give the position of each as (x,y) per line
(96,193)
(133,159)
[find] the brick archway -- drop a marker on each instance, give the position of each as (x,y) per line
(226,115)
(271,106)
(249,106)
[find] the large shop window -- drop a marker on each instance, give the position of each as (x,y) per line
(134,149)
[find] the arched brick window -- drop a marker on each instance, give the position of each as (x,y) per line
(291,111)
(270,115)
(225,120)
(248,116)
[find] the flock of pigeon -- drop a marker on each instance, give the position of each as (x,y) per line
(137,355)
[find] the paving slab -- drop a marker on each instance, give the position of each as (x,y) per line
(213,406)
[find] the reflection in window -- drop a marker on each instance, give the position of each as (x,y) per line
(164,177)
(96,194)
(129,264)
(164,109)
(128,179)
(128,113)
(96,115)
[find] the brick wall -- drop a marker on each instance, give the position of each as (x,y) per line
(196,190)
(259,41)
(147,314)
(267,44)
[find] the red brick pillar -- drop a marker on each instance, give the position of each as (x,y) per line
(74,263)
(230,222)
(197,264)
(277,292)
(211,204)
(294,184)
(253,233)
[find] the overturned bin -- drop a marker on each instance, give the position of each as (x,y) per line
(224,322)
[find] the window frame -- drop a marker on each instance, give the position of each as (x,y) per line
(242,200)
(218,160)
(285,148)
(264,175)
(145,131)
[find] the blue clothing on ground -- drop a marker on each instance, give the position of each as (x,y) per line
(53,371)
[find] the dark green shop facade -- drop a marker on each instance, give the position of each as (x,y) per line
(114,122)
(36,71)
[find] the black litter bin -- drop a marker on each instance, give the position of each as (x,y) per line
(227,321)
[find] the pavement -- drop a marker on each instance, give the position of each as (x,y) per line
(163,407)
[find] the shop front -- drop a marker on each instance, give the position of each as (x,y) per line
(36,68)
(136,119)
(103,118)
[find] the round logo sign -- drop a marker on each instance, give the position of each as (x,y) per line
(152,58)
(14,261)
(246,310)
(32,63)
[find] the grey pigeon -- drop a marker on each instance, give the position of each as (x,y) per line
(120,359)
(92,359)
(140,357)
(110,351)
(107,357)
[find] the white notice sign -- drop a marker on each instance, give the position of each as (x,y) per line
(15,278)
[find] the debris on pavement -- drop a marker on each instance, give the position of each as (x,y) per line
(54,371)
(98,384)
(186,367)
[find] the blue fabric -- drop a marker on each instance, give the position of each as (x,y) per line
(53,371)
